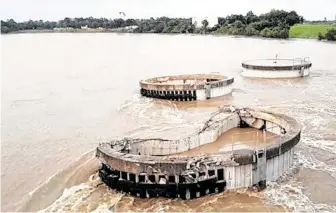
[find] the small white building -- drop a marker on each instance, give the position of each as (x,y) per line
(211,20)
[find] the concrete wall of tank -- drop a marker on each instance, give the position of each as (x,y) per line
(255,73)
(278,165)
(168,147)
(226,178)
(201,94)
(178,90)
(207,135)
(262,165)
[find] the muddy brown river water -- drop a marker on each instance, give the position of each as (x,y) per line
(233,139)
(62,94)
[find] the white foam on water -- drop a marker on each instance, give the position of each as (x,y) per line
(312,163)
(136,106)
(74,196)
(314,109)
(134,99)
(292,196)
(152,122)
(62,201)
(146,109)
(326,145)
(102,209)
(301,110)
(289,192)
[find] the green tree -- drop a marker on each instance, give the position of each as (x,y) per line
(250,31)
(250,17)
(320,36)
(5,29)
(159,27)
(284,33)
(232,18)
(130,22)
(260,25)
(266,33)
(221,21)
(238,24)
(205,23)
(293,18)
(331,35)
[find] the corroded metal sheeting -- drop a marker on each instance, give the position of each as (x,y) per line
(176,95)
(170,187)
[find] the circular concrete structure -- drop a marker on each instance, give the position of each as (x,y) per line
(276,68)
(186,87)
(155,167)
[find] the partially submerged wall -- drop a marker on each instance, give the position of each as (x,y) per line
(148,172)
(186,87)
(275,74)
(281,68)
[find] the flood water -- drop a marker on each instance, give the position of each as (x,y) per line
(234,139)
(62,94)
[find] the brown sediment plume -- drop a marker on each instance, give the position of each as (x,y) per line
(320,193)
(331,137)
(77,173)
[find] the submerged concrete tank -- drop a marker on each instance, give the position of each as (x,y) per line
(276,68)
(157,167)
(187,87)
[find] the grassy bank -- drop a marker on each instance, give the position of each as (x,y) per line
(309,30)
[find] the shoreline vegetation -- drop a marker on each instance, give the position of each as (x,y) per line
(313,31)
(274,24)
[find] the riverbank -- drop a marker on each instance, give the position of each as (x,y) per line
(115,30)
(83,31)
(309,30)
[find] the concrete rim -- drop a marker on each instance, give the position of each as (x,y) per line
(287,64)
(107,154)
(156,82)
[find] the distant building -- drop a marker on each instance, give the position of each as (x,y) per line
(130,27)
(198,21)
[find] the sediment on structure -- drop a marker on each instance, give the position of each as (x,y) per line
(276,68)
(149,168)
(186,87)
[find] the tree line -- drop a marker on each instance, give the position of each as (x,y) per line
(75,23)
(330,35)
(274,24)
